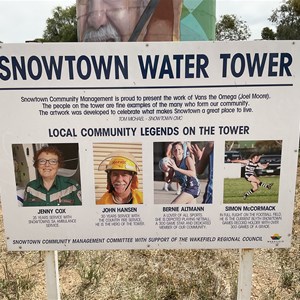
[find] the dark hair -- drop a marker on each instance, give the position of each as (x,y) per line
(254,154)
(49,149)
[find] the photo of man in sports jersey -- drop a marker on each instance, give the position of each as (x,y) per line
(251,171)
(251,165)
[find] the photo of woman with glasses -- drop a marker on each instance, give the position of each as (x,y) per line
(51,189)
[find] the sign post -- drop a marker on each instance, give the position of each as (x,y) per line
(245,274)
(52,275)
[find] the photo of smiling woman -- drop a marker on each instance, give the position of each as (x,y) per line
(51,189)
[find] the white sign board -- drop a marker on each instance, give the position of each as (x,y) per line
(235,99)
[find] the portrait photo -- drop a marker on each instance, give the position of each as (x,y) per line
(118,173)
(47,174)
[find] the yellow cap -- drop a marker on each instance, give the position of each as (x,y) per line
(121,163)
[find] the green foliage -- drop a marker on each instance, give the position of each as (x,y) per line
(230,28)
(296,6)
(62,27)
(229,145)
(272,146)
(268,34)
(287,20)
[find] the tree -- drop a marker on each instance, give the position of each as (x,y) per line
(62,27)
(296,6)
(271,146)
(230,28)
(268,34)
(230,145)
(287,20)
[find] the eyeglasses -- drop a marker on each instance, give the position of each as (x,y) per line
(43,161)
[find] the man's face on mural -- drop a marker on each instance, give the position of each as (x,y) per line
(107,20)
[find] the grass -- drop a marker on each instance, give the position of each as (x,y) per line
(151,275)
(235,188)
(14,285)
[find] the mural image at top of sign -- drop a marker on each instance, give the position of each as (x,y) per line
(180,145)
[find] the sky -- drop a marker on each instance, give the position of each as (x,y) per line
(23,20)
